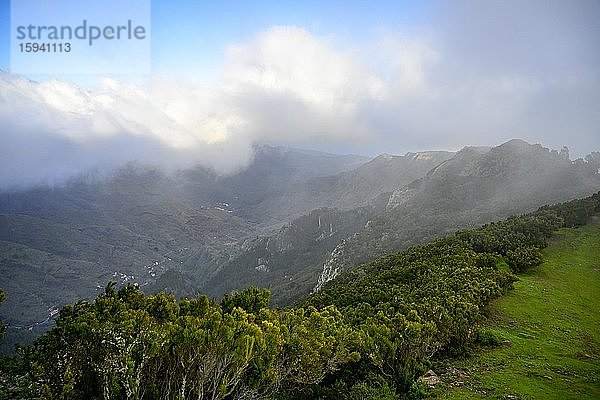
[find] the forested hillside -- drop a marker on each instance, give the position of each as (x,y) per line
(370,333)
(465,189)
(287,261)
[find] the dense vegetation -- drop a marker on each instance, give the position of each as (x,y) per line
(541,340)
(368,334)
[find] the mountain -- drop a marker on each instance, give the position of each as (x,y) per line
(61,244)
(476,186)
(359,187)
(274,172)
(370,333)
(290,220)
(289,259)
(402,200)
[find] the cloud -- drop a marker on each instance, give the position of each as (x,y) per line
(290,84)
(477,73)
(282,86)
(53,130)
(491,71)
(520,69)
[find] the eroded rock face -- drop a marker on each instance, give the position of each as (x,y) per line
(330,268)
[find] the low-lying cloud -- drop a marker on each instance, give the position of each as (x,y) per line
(443,87)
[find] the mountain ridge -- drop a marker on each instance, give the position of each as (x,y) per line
(267,226)
(476,186)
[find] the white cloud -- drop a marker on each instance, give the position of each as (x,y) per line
(444,89)
(291,85)
(284,85)
(52,130)
(407,62)
(291,61)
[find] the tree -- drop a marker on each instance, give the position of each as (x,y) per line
(251,299)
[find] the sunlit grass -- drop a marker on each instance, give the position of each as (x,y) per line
(552,321)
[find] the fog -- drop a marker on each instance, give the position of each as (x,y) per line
(474,73)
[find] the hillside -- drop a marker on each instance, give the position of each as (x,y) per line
(371,182)
(273,173)
(464,189)
(370,333)
(476,186)
(189,230)
(60,245)
(65,243)
(287,261)
(192,230)
(546,331)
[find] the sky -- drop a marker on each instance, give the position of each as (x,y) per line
(363,77)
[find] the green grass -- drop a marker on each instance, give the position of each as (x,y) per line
(550,325)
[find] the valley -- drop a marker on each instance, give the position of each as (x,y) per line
(291,221)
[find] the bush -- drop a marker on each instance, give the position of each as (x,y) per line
(419,390)
(523,258)
(488,338)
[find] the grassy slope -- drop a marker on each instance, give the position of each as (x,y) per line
(552,320)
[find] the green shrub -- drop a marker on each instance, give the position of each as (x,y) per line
(419,390)
(488,338)
(523,258)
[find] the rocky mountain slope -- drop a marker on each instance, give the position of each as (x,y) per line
(469,188)
(289,259)
(360,187)
(290,221)
(476,186)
